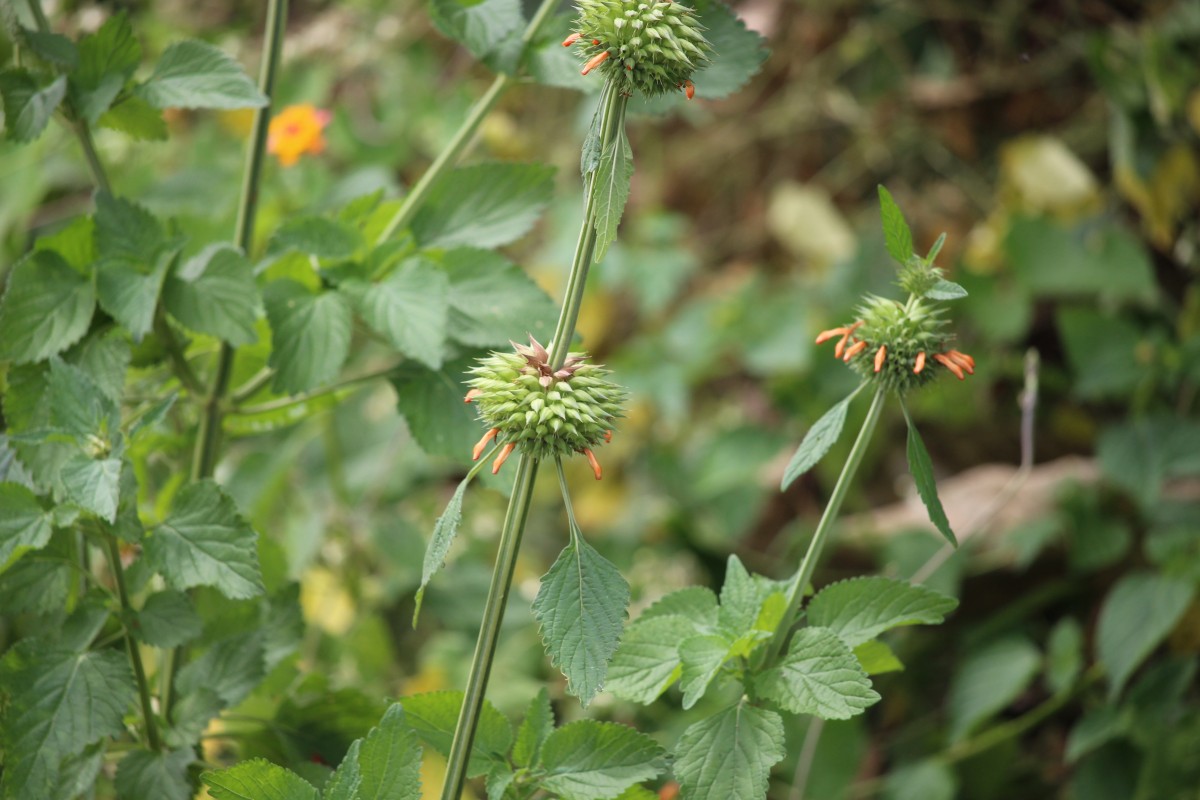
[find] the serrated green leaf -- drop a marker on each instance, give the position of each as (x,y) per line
(60,702)
(434,716)
(742,598)
(479,25)
(205,542)
(104,357)
(589,760)
(485,205)
(701,658)
(444,531)
(231,668)
(125,230)
(93,484)
(818,675)
(107,59)
(135,118)
(384,765)
(817,441)
(581,608)
(146,773)
(921,467)
(316,236)
(47,308)
(738,51)
(647,662)
(37,586)
(876,658)
(193,74)
(1136,616)
(610,190)
(77,406)
(214,293)
(129,290)
(860,609)
(29,102)
(24,525)
(729,755)
(310,335)
(896,233)
(946,290)
(75,242)
(409,308)
(52,47)
(533,730)
(432,405)
(167,619)
(492,301)
(499,779)
(258,779)
(988,680)
(697,604)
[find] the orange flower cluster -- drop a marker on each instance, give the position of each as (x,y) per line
(296,131)
(848,347)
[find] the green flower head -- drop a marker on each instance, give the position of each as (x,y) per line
(526,402)
(651,47)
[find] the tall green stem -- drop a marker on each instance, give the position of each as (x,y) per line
(803,575)
(135,655)
(208,435)
(489,632)
(612,120)
(454,149)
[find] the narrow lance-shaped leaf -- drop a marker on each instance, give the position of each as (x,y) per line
(896,233)
(444,532)
(611,190)
(581,607)
(817,441)
(921,467)
(946,290)
(729,755)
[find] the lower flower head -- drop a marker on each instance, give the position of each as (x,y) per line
(527,403)
(296,131)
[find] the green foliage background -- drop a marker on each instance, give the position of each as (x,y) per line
(1058,145)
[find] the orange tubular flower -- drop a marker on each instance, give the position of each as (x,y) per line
(570,40)
(482,443)
(504,454)
(949,364)
(854,350)
(920,365)
(591,457)
(594,62)
(880,355)
(296,131)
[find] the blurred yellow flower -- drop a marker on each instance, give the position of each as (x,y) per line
(296,130)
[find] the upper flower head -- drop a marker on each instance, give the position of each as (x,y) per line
(648,45)
(526,402)
(297,130)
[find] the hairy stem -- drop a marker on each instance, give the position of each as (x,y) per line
(208,435)
(135,655)
(489,631)
(799,583)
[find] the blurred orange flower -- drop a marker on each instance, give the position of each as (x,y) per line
(296,130)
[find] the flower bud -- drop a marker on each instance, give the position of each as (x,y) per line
(653,47)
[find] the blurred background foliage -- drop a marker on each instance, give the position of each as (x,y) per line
(1057,142)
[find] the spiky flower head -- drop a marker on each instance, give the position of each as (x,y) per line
(900,345)
(652,47)
(545,411)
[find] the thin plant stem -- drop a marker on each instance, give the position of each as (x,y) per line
(135,655)
(77,124)
(208,434)
(799,583)
(489,631)
(613,117)
(462,137)
(295,400)
(808,755)
(251,387)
